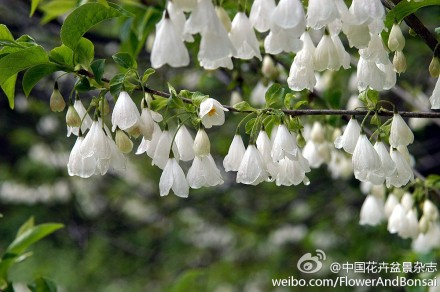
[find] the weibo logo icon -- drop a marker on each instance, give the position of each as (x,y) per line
(311,264)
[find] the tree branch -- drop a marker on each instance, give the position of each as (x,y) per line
(299,112)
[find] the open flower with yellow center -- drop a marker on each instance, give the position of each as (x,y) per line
(212,113)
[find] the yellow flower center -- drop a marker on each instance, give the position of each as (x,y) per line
(212,112)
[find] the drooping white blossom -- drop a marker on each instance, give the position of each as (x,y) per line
(125,113)
(173,178)
(350,136)
(403,173)
(301,74)
(252,170)
(184,144)
(284,145)
(86,121)
(321,13)
(365,159)
(366,11)
(288,14)
(400,133)
(185,5)
(372,211)
(203,172)
(243,38)
(212,113)
(235,154)
(95,144)
(163,148)
(292,172)
(168,47)
(283,39)
(260,15)
(178,18)
(326,56)
(264,145)
(391,202)
(79,165)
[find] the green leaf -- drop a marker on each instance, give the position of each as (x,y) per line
(8,88)
(369,98)
(249,125)
(84,18)
(288,100)
(21,60)
(83,85)
(274,96)
(375,120)
(158,103)
(62,55)
(116,84)
(84,53)
(125,60)
(198,97)
(55,8)
(43,285)
(98,67)
(31,236)
(433,181)
(5,34)
(30,223)
(147,74)
(34,5)
(244,106)
(34,74)
(192,280)
(405,8)
(300,104)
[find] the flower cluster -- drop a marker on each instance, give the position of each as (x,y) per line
(407,218)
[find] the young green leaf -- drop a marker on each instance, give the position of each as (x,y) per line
(34,5)
(26,226)
(274,96)
(98,67)
(244,106)
(249,125)
(43,285)
(84,53)
(21,60)
(34,74)
(300,104)
(147,74)
(5,34)
(198,97)
(125,60)
(84,18)
(62,55)
(116,84)
(8,88)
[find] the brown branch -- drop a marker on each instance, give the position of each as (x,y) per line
(299,112)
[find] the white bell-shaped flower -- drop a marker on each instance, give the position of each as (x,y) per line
(344,57)
(203,172)
(173,178)
(326,55)
(397,222)
(407,201)
(79,165)
(425,242)
(284,145)
(350,136)
(313,154)
(185,5)
(376,50)
(292,172)
(411,230)
(283,39)
(391,202)
(243,38)
(202,146)
(400,133)
(212,113)
(260,15)
(430,211)
(288,14)
(95,143)
(358,35)
(202,14)
(178,18)
(365,159)
(125,114)
(321,12)
(184,144)
(403,173)
(366,11)
(86,120)
(252,170)
(388,167)
(434,99)
(396,40)
(340,165)
(168,47)
(117,159)
(146,124)
(163,148)
(372,211)
(235,154)
(305,56)
(265,147)
(223,17)
(301,78)
(376,76)
(149,146)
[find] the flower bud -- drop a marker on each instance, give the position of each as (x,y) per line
(123,142)
(72,117)
(235,97)
(268,68)
(202,146)
(300,140)
(317,134)
(57,103)
(430,211)
(434,67)
(104,107)
(399,62)
(224,17)
(424,224)
(396,41)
